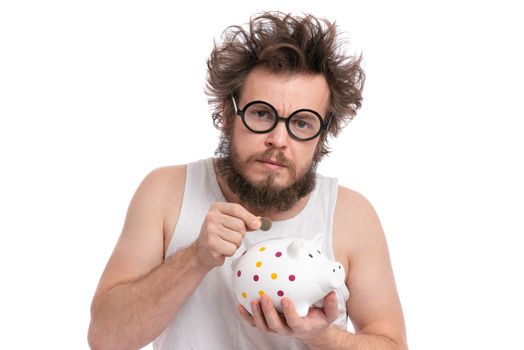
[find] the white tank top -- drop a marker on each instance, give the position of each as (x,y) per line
(209,319)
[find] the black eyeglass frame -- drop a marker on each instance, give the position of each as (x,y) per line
(241,112)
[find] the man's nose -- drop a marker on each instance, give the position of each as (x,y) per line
(278,137)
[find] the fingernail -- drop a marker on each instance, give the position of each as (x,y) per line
(284,303)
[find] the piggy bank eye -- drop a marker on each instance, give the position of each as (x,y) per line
(318,251)
(310,255)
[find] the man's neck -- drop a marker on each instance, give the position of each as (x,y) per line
(272,214)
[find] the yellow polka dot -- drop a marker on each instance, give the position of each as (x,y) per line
(262,249)
(274,276)
(259,263)
(244,295)
(261,292)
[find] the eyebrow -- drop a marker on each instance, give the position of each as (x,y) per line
(281,114)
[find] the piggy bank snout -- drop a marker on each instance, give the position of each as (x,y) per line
(334,276)
(339,275)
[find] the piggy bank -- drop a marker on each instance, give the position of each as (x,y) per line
(289,267)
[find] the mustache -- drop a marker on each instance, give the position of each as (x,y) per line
(270,154)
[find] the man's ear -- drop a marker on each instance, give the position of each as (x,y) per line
(228,111)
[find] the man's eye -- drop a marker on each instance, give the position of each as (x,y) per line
(302,124)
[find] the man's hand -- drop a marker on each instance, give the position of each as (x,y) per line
(267,319)
(222,233)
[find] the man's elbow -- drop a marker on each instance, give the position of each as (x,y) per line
(399,343)
(95,336)
(101,338)
(93,339)
(97,340)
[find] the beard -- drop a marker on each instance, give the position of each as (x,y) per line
(263,195)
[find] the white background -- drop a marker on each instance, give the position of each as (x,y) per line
(95,94)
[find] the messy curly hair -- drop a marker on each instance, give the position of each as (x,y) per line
(285,44)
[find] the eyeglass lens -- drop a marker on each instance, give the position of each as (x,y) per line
(261,117)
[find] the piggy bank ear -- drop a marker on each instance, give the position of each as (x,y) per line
(296,249)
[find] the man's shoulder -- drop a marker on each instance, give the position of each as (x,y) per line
(165,182)
(349,199)
(165,189)
(354,213)
(166,175)
(356,224)
(174,173)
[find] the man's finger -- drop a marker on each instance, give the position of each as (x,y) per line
(272,317)
(258,316)
(233,223)
(251,221)
(331,307)
(231,236)
(245,315)
(225,248)
(293,320)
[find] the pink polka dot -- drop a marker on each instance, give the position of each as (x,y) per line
(239,273)
(255,277)
(280,293)
(278,254)
(291,278)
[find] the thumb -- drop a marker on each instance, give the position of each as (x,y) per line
(254,224)
(331,307)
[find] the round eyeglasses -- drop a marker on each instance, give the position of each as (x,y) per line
(261,117)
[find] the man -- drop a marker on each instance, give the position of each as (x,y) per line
(278,88)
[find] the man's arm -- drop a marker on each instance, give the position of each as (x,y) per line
(131,314)
(334,338)
(373,306)
(138,293)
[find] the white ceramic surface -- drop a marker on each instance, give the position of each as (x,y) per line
(287,267)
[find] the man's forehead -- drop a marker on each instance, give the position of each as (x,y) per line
(308,90)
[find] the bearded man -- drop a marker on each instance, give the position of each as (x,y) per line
(278,88)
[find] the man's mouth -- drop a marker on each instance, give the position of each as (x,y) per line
(272,163)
